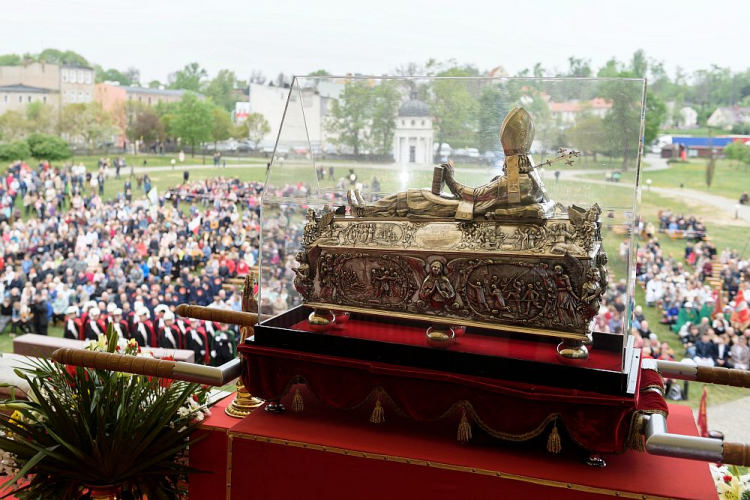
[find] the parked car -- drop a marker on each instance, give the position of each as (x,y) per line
(472,152)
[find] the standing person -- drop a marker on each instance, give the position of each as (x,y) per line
(41,313)
(185,176)
(72,323)
(101,178)
(118,166)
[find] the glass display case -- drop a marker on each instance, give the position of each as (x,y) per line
(445,223)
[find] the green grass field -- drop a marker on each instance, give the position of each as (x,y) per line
(729,180)
(724,233)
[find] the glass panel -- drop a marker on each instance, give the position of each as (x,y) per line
(291,189)
(350,142)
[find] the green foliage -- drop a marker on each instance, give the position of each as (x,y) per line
(144,124)
(39,117)
(221,89)
(193,121)
(154,84)
(579,67)
(656,115)
(113,75)
(13,151)
(385,101)
(588,136)
(738,152)
(320,72)
(222,126)
(255,127)
(456,105)
(11,60)
(48,147)
(622,122)
(191,77)
(84,427)
(350,116)
(88,123)
(68,57)
(13,126)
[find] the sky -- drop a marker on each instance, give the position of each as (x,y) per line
(376,36)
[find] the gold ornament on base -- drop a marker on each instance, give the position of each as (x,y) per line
(244,403)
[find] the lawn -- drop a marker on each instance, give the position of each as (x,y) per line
(615,199)
(730,179)
(91,162)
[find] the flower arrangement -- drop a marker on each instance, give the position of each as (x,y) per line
(730,484)
(84,431)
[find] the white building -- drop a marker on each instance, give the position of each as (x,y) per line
(687,117)
(413,138)
(727,117)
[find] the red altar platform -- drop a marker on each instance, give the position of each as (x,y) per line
(326,453)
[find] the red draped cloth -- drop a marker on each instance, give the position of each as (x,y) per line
(506,410)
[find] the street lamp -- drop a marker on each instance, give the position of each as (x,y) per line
(648,183)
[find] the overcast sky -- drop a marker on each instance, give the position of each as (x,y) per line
(376,36)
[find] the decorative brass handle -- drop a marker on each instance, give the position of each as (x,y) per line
(177,370)
(114,362)
(218,315)
(737,454)
(724,376)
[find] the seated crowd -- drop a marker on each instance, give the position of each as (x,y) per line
(84,265)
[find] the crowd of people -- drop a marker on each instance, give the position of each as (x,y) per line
(712,323)
(83,261)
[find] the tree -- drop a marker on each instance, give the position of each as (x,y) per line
(88,123)
(55,56)
(191,77)
(193,121)
(113,75)
(656,115)
(610,69)
(622,122)
(221,89)
(221,126)
(13,125)
(320,72)
(454,107)
(255,128)
(133,74)
(257,76)
(639,64)
(738,152)
(145,125)
(349,116)
(384,106)
(10,60)
(39,117)
(13,151)
(48,147)
(580,68)
(587,136)
(154,84)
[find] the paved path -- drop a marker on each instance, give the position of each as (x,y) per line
(729,207)
(729,418)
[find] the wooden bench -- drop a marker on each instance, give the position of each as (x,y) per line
(42,346)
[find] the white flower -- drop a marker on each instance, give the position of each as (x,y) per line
(183,412)
(182,429)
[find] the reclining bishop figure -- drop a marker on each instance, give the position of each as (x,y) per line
(519,192)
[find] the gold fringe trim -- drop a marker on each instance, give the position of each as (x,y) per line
(298,404)
(464,430)
(634,441)
(553,442)
(378,414)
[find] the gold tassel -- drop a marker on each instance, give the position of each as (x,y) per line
(298,404)
(464,430)
(378,414)
(634,440)
(553,442)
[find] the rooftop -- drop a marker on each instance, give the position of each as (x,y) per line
(164,92)
(25,89)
